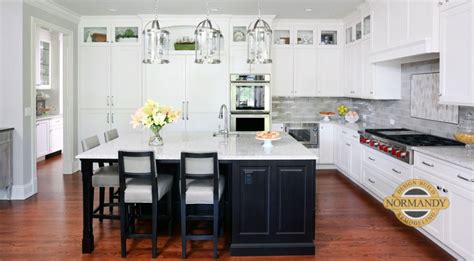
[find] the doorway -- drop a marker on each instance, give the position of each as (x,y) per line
(52,97)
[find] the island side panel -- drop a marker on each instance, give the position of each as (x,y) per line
(273,204)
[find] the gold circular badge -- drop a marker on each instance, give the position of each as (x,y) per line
(416,202)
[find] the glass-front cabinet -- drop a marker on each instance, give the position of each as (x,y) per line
(328,37)
(349,38)
(101,33)
(367,24)
(299,35)
(282,37)
(304,37)
(44,66)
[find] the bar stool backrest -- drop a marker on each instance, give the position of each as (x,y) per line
(90,143)
(111,135)
(139,165)
(199,166)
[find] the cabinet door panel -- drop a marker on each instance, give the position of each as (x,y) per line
(329,71)
(238,61)
(55,139)
(356,160)
(367,80)
(398,22)
(126,77)
(379,24)
(291,203)
(456,55)
(93,122)
(459,233)
(166,83)
(304,72)
(42,138)
(251,202)
(326,143)
(199,121)
(94,77)
(120,120)
(207,85)
(282,76)
(345,154)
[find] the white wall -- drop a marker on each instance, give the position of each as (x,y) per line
(16,85)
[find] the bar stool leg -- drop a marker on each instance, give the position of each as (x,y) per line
(183,229)
(123,229)
(154,228)
(170,214)
(216,229)
(111,200)
(101,202)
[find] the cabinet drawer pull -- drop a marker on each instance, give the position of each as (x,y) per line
(466,179)
(438,187)
(445,190)
(348,145)
(427,164)
(372,159)
(371,181)
(397,171)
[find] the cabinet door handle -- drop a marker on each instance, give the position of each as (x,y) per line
(466,179)
(438,187)
(112,100)
(187,110)
(182,111)
(445,190)
(371,181)
(370,158)
(344,132)
(397,171)
(112,117)
(108,101)
(108,117)
(427,164)
(348,145)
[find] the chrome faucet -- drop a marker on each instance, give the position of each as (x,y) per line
(225,116)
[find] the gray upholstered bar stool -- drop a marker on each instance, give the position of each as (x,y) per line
(104,177)
(111,135)
(204,186)
(113,194)
(140,183)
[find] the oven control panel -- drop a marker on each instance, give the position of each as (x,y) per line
(394,150)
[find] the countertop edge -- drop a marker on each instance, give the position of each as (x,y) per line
(6,129)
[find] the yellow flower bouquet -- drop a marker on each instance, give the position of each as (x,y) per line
(154,116)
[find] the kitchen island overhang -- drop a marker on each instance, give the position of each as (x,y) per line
(271,191)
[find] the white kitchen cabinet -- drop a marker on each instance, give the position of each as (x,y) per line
(304,75)
(367,80)
(326,143)
(55,134)
(456,54)
(93,122)
(42,138)
(94,77)
(125,69)
(345,151)
(109,32)
(353,70)
(328,72)
(356,157)
(337,148)
(238,63)
(283,71)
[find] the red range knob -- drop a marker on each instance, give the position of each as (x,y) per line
(399,154)
(394,152)
(382,147)
(386,148)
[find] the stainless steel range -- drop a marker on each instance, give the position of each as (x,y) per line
(399,143)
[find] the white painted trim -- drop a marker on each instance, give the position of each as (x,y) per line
(68,94)
(22,192)
(325,166)
(55,9)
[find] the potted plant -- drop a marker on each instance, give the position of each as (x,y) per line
(154,116)
(127,36)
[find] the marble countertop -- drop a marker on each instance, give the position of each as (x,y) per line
(6,129)
(242,147)
(455,155)
(47,117)
(358,126)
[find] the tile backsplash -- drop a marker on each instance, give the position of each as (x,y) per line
(378,113)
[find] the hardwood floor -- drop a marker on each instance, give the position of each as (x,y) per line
(350,225)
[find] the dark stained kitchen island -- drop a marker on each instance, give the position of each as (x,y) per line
(271,191)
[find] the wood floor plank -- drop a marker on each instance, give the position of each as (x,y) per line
(350,225)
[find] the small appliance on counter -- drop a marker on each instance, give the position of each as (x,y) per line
(399,143)
(250,102)
(306,133)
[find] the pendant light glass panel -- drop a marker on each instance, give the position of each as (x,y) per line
(208,42)
(155,44)
(259,40)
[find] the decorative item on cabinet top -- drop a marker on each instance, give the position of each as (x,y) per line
(126,34)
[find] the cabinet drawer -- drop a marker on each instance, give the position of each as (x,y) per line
(395,171)
(457,175)
(55,123)
(375,182)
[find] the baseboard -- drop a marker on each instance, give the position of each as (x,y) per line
(19,192)
(71,167)
(273,249)
(325,166)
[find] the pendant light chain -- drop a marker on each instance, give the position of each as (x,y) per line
(156,9)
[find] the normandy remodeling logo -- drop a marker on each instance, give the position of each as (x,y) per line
(416,202)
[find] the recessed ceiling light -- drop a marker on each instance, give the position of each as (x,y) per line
(113,10)
(308,9)
(214,9)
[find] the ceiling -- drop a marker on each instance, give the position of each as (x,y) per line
(321,9)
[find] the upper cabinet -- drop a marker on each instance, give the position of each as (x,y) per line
(456,54)
(403,28)
(96,32)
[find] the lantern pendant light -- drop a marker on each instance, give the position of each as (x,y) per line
(208,40)
(155,42)
(259,41)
